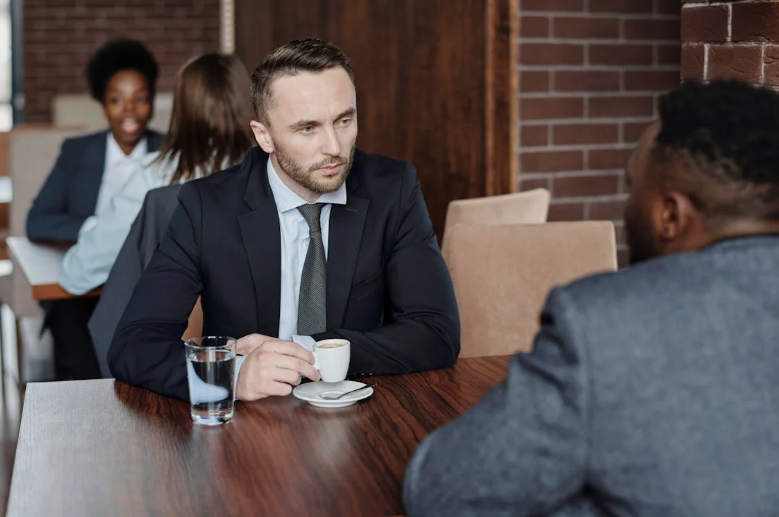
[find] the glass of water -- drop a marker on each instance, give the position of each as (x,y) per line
(211,377)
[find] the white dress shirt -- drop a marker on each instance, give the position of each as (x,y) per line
(87,264)
(117,170)
(294,245)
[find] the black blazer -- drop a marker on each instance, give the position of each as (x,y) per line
(388,289)
(136,253)
(70,192)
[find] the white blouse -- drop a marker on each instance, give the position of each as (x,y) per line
(88,263)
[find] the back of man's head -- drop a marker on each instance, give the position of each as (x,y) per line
(727,133)
(708,170)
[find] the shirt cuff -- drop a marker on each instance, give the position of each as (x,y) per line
(239,359)
(308,343)
(88,225)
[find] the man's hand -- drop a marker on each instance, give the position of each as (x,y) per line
(271,367)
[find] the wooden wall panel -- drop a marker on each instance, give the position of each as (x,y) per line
(436,81)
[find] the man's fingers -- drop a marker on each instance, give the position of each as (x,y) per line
(267,389)
(250,343)
(273,368)
(289,348)
(296,365)
(286,376)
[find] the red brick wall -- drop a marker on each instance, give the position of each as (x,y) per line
(60,36)
(590,72)
(731,39)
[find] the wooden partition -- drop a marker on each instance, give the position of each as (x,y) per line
(436,81)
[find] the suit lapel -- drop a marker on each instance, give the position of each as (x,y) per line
(262,241)
(93,167)
(153,141)
(343,247)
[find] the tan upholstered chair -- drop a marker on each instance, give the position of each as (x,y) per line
(69,109)
(502,275)
(530,207)
(32,152)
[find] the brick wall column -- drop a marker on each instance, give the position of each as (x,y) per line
(590,74)
(731,39)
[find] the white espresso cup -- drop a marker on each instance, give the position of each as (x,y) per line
(332,358)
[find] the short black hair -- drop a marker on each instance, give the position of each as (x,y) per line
(118,55)
(727,133)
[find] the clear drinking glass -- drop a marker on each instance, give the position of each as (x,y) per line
(211,377)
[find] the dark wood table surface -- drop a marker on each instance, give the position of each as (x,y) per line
(100,448)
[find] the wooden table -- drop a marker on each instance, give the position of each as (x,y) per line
(96,448)
(40,264)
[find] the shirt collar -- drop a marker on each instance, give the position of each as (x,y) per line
(115,155)
(286,199)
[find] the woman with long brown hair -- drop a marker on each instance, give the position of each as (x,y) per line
(209,131)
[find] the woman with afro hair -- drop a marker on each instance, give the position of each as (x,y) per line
(89,171)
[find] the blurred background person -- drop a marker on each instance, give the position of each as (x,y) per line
(209,131)
(89,171)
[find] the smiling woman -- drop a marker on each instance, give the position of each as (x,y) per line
(122,77)
(87,175)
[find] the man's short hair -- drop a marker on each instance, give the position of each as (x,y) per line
(304,55)
(719,144)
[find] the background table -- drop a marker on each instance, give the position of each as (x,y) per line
(96,448)
(40,264)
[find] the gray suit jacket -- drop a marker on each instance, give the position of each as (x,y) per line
(653,391)
(146,232)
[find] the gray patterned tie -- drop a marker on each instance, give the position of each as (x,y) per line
(312,309)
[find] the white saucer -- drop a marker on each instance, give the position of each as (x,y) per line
(311,390)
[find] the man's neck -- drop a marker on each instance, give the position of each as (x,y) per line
(740,229)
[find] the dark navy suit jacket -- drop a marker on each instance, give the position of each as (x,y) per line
(388,288)
(70,193)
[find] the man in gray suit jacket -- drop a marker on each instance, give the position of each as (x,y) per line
(653,391)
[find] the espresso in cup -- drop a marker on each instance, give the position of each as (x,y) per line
(330,345)
(332,359)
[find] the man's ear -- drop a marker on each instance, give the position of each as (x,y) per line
(262,135)
(678,218)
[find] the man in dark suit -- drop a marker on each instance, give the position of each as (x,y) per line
(651,391)
(284,250)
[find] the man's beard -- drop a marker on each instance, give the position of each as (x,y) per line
(305,178)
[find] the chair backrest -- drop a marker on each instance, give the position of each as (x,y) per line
(32,152)
(82,109)
(5,142)
(530,207)
(502,275)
